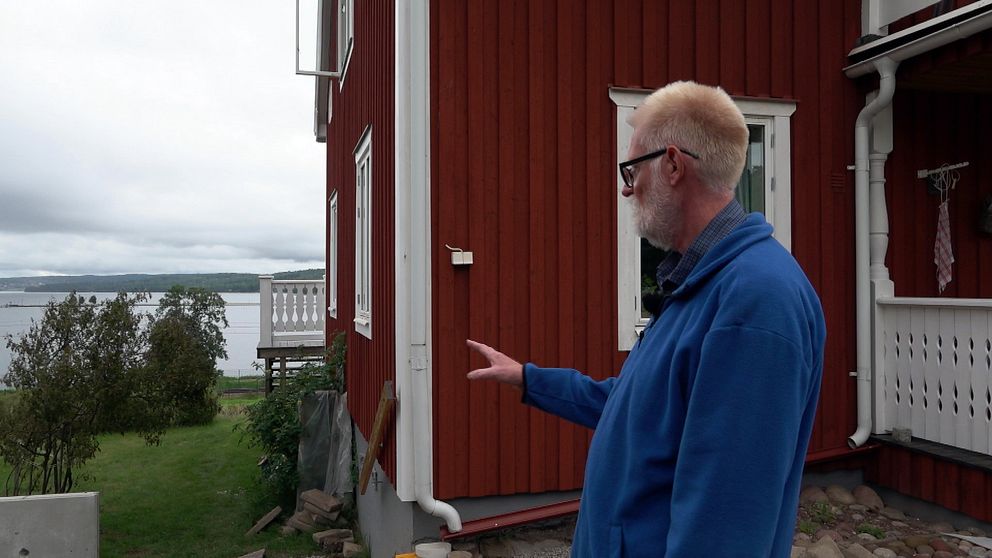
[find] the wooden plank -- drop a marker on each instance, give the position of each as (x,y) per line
(681,41)
(757,45)
(733,60)
(570,145)
(264,521)
(655,58)
(708,41)
(386,402)
(474,423)
(507,242)
(520,214)
(627,48)
(490,450)
(781,34)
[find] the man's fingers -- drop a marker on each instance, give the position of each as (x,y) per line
(480,374)
(481,348)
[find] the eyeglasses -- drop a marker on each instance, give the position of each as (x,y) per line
(628,170)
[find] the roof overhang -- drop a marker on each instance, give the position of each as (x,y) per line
(921,38)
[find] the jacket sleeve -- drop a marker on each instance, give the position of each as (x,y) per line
(736,468)
(566,393)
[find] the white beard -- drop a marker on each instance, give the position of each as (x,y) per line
(657,216)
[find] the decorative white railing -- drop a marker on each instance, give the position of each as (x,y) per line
(933,359)
(292,312)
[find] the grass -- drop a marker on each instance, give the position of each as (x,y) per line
(239,399)
(195,495)
(244,382)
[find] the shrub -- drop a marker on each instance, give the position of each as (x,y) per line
(273,424)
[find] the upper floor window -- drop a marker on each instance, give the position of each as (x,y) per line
(332,255)
(346,35)
(363,234)
(765,186)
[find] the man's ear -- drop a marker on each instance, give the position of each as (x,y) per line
(678,162)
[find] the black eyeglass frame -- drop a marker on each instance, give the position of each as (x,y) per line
(626,167)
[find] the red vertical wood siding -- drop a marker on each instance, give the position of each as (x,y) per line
(523,174)
(366,98)
(957,487)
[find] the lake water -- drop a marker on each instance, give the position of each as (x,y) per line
(241,334)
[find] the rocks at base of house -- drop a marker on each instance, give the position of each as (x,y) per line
(460,554)
(866,496)
(857,551)
(825,547)
(350,550)
(812,494)
(840,495)
(867,528)
(288,530)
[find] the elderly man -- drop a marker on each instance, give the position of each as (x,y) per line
(700,441)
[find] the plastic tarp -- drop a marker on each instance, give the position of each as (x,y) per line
(325,443)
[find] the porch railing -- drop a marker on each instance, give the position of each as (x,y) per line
(934,358)
(292,313)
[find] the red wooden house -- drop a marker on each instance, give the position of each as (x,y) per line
(472,192)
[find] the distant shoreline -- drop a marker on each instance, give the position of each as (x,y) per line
(216,282)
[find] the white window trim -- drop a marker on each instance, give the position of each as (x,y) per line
(346,38)
(363,233)
(332,265)
(775,115)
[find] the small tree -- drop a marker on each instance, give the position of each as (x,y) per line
(73,379)
(185,339)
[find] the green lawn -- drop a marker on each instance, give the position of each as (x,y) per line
(244,382)
(195,495)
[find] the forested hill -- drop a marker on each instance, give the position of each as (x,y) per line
(220,282)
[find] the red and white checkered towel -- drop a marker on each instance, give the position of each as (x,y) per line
(942,255)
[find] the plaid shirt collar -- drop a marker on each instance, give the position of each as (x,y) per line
(676,267)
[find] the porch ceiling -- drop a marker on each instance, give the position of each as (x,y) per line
(972,74)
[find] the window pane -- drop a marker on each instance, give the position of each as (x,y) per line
(751,187)
(650,258)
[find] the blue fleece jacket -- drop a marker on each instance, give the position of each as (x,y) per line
(700,441)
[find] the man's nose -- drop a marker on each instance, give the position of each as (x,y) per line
(626,191)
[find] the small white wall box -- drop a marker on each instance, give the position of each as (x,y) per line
(50,525)
(459,256)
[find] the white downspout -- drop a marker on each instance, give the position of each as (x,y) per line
(413,158)
(886,68)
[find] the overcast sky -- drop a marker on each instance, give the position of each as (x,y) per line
(153,136)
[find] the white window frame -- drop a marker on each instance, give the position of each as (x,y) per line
(332,253)
(346,36)
(363,234)
(775,116)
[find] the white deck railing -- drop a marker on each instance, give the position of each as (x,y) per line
(292,313)
(933,360)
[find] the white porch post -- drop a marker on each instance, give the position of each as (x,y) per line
(265,312)
(881,285)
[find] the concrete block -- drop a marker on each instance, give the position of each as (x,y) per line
(257,554)
(329,516)
(333,535)
(302,521)
(350,549)
(324,502)
(50,525)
